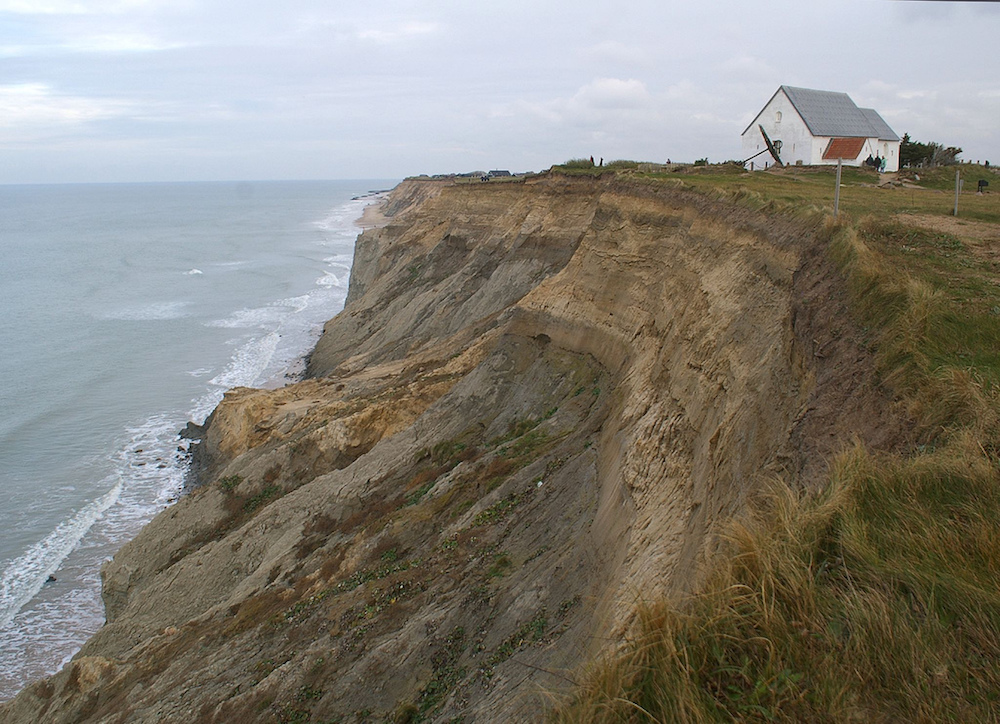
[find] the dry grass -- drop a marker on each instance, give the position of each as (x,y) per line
(876,601)
(879,599)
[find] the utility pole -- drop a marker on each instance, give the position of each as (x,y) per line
(958,174)
(836,191)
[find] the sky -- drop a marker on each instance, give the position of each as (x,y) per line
(192,90)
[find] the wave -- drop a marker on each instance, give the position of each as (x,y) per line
(24,576)
(149,312)
(249,362)
(342,219)
(44,621)
(43,625)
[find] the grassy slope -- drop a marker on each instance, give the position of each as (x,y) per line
(879,599)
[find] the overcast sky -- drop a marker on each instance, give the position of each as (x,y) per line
(161,90)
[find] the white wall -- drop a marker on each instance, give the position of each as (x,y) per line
(796,141)
(798,144)
(890,150)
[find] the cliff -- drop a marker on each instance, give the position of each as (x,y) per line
(539,403)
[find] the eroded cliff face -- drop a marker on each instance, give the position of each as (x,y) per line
(537,407)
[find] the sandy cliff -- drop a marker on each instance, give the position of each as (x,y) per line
(539,403)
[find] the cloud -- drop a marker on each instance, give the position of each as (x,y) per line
(617,52)
(611,94)
(34,108)
(120,43)
(591,104)
(748,67)
(402,32)
(70,7)
(105,43)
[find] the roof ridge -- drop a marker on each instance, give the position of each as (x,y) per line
(832,113)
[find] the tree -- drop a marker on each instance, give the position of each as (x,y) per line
(912,153)
(941,156)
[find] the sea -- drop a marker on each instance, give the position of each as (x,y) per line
(127,311)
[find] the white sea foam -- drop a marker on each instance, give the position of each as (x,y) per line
(149,312)
(58,616)
(297,304)
(44,624)
(249,362)
(342,218)
(24,576)
(194,272)
(330,280)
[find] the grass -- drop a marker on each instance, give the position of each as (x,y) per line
(877,599)
(499,510)
(230,483)
(262,498)
(932,321)
(586,167)
(812,188)
(529,633)
(446,675)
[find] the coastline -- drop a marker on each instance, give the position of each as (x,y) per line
(372,216)
(149,446)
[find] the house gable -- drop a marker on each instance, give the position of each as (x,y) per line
(818,127)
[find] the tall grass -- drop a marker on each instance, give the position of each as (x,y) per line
(934,348)
(877,600)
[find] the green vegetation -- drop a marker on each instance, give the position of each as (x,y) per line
(230,483)
(531,632)
(876,599)
(499,510)
(586,167)
(501,566)
(912,153)
(447,674)
(807,191)
(256,501)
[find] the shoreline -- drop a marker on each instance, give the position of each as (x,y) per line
(146,454)
(372,216)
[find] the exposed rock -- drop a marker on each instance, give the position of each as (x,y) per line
(539,403)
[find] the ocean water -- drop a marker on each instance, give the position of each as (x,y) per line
(127,310)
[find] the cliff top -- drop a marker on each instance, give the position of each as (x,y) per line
(526,439)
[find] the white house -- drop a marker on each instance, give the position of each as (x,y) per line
(814,128)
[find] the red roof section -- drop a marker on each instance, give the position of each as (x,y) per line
(849,148)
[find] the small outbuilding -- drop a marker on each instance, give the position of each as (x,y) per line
(814,128)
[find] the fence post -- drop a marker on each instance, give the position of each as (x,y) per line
(958,174)
(836,191)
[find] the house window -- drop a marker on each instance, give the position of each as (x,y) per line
(777,117)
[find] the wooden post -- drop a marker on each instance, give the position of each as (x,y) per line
(836,191)
(958,174)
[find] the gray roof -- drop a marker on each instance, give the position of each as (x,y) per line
(884,132)
(834,114)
